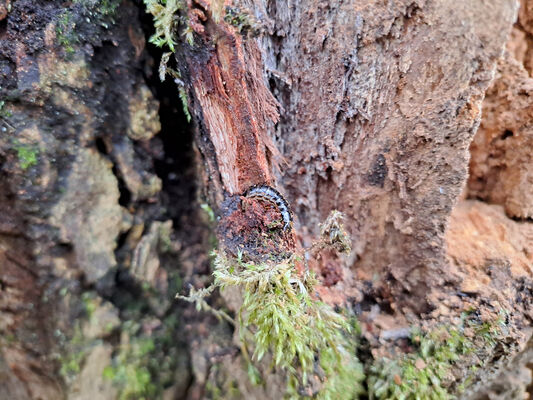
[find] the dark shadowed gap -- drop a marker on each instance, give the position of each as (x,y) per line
(176,168)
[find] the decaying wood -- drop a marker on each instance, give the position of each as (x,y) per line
(379,106)
(366,107)
(234,108)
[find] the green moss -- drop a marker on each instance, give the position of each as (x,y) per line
(184,102)
(130,370)
(3,112)
(242,21)
(166,20)
(65,31)
(209,212)
(99,12)
(282,322)
(164,70)
(144,365)
(90,303)
(108,7)
(74,353)
(427,373)
(280,318)
(27,155)
(103,7)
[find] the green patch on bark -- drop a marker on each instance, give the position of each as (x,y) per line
(165,70)
(283,326)
(99,11)
(83,12)
(65,31)
(75,350)
(130,369)
(108,7)
(3,112)
(145,363)
(27,155)
(427,372)
(244,22)
(167,21)
(89,303)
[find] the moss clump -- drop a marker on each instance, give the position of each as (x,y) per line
(280,317)
(144,364)
(184,102)
(166,20)
(108,7)
(244,22)
(130,370)
(74,353)
(427,373)
(209,212)
(90,303)
(164,70)
(3,112)
(27,155)
(66,35)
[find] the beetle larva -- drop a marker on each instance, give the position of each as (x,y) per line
(271,195)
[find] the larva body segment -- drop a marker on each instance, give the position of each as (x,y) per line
(271,195)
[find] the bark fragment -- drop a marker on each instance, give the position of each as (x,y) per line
(234,108)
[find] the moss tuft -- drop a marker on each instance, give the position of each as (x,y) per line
(280,317)
(166,20)
(3,112)
(244,22)
(209,212)
(66,35)
(165,70)
(75,351)
(283,324)
(144,364)
(108,7)
(27,155)
(130,371)
(427,373)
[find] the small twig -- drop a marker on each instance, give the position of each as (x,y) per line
(197,297)
(7,123)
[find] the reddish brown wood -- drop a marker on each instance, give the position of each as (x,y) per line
(235,108)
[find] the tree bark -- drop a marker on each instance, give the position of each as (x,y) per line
(368,108)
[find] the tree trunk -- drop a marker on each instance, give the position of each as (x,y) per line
(371,109)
